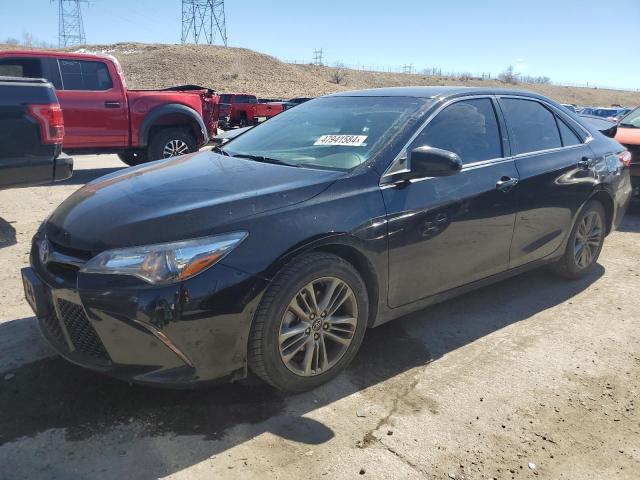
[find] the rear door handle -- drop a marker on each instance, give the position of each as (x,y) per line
(506,183)
(112,104)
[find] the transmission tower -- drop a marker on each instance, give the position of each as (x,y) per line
(70,26)
(203,20)
(317,57)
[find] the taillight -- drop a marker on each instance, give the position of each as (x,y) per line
(51,123)
(625,158)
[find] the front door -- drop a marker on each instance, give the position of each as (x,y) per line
(449,231)
(93,105)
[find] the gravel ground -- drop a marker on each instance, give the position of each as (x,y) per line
(531,377)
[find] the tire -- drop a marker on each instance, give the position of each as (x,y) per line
(574,264)
(171,142)
(275,318)
(133,158)
(243,121)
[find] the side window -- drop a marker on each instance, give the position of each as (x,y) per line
(21,67)
(84,75)
(569,138)
(468,128)
(532,125)
(225,98)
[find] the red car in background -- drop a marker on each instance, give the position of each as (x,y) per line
(102,115)
(628,134)
(242,110)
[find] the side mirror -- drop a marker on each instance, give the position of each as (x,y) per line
(432,162)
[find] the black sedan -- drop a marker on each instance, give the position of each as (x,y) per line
(277,251)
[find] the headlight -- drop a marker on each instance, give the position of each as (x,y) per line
(166,262)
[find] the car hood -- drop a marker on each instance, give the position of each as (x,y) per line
(178,198)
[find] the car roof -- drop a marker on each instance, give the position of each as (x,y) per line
(433,92)
(55,54)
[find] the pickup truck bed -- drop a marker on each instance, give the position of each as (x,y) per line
(30,134)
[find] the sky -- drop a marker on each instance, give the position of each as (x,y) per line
(571,41)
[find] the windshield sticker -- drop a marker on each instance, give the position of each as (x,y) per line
(349,140)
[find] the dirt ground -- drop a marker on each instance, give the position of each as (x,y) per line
(531,377)
(242,70)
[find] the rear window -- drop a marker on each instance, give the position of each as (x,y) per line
(533,127)
(21,67)
(84,75)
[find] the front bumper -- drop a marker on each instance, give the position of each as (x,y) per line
(176,336)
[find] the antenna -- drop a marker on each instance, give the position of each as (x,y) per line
(203,18)
(70,26)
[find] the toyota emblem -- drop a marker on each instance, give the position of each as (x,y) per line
(45,250)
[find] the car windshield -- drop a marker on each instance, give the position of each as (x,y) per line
(631,119)
(337,133)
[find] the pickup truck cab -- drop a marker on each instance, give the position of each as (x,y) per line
(31,133)
(242,109)
(102,115)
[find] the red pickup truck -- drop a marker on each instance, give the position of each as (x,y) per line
(241,109)
(101,115)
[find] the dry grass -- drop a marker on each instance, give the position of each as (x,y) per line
(238,69)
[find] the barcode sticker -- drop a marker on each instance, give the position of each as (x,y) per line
(348,140)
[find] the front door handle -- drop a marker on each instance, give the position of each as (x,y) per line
(506,183)
(112,104)
(586,163)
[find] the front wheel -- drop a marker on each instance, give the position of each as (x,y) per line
(585,242)
(310,323)
(171,142)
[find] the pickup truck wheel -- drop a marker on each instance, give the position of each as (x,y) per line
(133,158)
(171,142)
(243,121)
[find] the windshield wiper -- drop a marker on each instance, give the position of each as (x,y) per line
(217,149)
(263,159)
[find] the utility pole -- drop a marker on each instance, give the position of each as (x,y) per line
(70,26)
(202,21)
(407,69)
(317,57)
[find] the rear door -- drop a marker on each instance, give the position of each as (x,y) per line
(556,169)
(448,231)
(93,104)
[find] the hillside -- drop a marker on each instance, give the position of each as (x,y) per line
(237,69)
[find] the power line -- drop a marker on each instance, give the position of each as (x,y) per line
(70,25)
(202,21)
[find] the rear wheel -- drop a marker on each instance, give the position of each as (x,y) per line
(171,142)
(243,122)
(585,242)
(310,323)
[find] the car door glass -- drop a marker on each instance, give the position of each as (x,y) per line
(21,67)
(83,75)
(569,138)
(468,128)
(533,127)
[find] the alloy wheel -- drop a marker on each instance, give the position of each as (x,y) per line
(318,326)
(173,148)
(588,239)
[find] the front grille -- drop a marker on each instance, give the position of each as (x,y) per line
(52,324)
(82,334)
